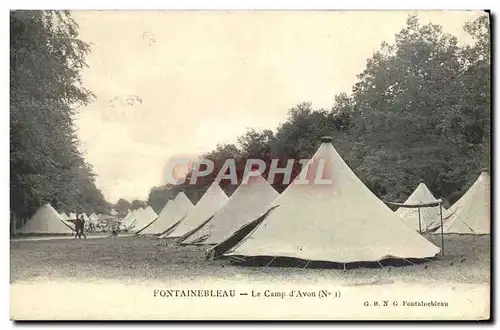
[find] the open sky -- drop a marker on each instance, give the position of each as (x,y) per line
(172,83)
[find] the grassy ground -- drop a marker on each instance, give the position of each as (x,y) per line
(467,260)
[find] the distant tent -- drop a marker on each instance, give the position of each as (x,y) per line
(93,217)
(129,221)
(148,216)
(213,199)
(150,213)
(174,212)
(72,216)
(339,221)
(102,217)
(247,203)
(428,215)
(113,212)
(143,218)
(128,214)
(85,217)
(64,216)
(46,220)
(155,227)
(471,213)
(105,218)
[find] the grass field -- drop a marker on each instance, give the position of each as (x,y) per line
(115,278)
(466,260)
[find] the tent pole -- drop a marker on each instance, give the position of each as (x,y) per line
(408,261)
(419,222)
(307,264)
(442,234)
(270,261)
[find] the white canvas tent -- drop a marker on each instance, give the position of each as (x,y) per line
(148,217)
(129,221)
(46,220)
(126,216)
(143,218)
(247,203)
(213,199)
(422,219)
(150,213)
(471,213)
(171,215)
(72,216)
(341,221)
(85,217)
(93,217)
(155,227)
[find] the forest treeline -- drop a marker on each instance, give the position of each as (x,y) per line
(420,110)
(46,165)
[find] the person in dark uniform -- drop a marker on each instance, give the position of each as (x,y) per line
(82,226)
(77,225)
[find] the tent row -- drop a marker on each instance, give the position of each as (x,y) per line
(469,215)
(342,221)
(72,216)
(138,219)
(338,222)
(47,220)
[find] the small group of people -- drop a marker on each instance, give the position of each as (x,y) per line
(79,226)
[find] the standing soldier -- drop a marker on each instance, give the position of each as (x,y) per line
(82,226)
(77,225)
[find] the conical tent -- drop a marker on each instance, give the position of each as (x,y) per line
(333,218)
(93,217)
(136,218)
(173,213)
(155,227)
(129,221)
(143,218)
(72,216)
(85,217)
(127,215)
(213,199)
(427,216)
(150,213)
(248,201)
(471,213)
(46,220)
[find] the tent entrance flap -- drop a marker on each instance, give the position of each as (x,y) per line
(238,236)
(188,234)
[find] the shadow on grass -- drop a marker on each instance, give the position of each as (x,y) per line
(286,262)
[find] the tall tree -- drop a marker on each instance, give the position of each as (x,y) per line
(136,204)
(46,58)
(122,206)
(410,120)
(419,110)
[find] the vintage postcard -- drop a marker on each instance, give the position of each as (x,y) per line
(250,165)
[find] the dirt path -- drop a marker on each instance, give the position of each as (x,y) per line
(50,238)
(145,258)
(116,278)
